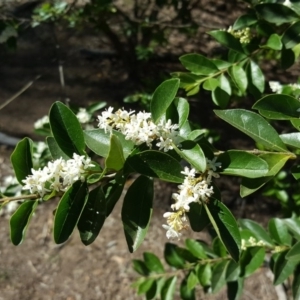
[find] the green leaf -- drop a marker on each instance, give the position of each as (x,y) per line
(218,276)
(240,163)
(296,123)
(239,77)
(288,58)
(115,159)
(198,64)
(294,253)
(278,107)
(204,274)
(296,283)
(254,126)
(168,288)
(220,97)
(140,267)
(186,293)
(153,263)
(192,280)
(245,21)
(198,217)
(251,260)
(235,289)
(293,225)
(69,210)
(195,248)
(99,142)
(233,271)
(291,139)
(257,77)
(273,42)
(291,37)
(283,268)
(66,129)
(20,220)
(276,13)
(193,154)
(54,149)
(163,97)
(21,159)
(258,232)
(225,226)
(137,211)
(96,106)
(156,164)
(145,286)
(210,84)
(227,39)
(178,111)
(93,216)
(172,257)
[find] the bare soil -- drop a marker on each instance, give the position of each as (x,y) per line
(39,269)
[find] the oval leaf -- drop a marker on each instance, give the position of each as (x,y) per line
(137,211)
(115,159)
(291,139)
(294,253)
(239,77)
(227,39)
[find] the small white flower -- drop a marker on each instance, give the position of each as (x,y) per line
(275,86)
(83,116)
(171,232)
(39,124)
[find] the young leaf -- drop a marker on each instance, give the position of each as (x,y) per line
(258,232)
(225,226)
(54,149)
(69,210)
(276,13)
(242,163)
(153,263)
(254,126)
(145,286)
(66,129)
(93,216)
(99,142)
(19,221)
(21,159)
(163,97)
(115,159)
(168,288)
(273,42)
(193,154)
(137,211)
(156,164)
(227,39)
(204,273)
(198,64)
(239,77)
(278,107)
(294,253)
(210,84)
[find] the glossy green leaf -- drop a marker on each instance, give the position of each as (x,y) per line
(204,273)
(93,216)
(192,280)
(273,42)
(195,248)
(218,279)
(19,221)
(233,271)
(296,123)
(193,154)
(163,97)
(225,226)
(240,163)
(21,159)
(210,84)
(172,257)
(99,142)
(291,139)
(178,111)
(168,289)
(227,40)
(218,247)
(198,217)
(291,36)
(239,77)
(254,126)
(186,292)
(153,263)
(221,64)
(220,97)
(69,210)
(66,129)
(256,76)
(283,268)
(293,225)
(296,172)
(235,289)
(157,164)
(137,211)
(54,149)
(294,253)
(225,84)
(145,286)
(276,13)
(288,58)
(258,232)
(235,57)
(251,260)
(198,64)
(244,21)
(115,159)
(278,107)
(140,267)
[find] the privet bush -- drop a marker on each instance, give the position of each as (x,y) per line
(163,144)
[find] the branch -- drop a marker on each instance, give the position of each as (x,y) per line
(17,198)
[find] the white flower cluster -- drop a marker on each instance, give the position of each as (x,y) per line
(277,87)
(83,116)
(57,175)
(139,128)
(252,242)
(244,35)
(40,123)
(196,187)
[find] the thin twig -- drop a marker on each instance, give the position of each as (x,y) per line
(26,87)
(18,198)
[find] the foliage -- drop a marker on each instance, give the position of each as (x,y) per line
(89,167)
